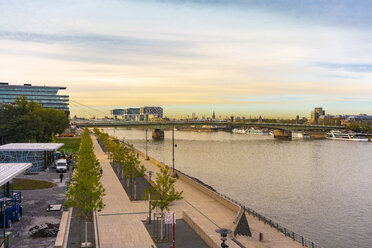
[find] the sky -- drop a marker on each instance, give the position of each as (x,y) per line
(236,57)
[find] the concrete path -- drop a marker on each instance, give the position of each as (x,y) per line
(119,226)
(212,215)
(118,223)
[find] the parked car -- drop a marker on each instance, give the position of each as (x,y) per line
(61,165)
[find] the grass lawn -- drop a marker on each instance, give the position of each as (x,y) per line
(72,144)
(27,184)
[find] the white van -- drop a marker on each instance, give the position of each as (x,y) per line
(61,165)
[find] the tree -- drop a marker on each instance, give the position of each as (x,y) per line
(353,127)
(28,121)
(86,192)
(166,193)
(366,128)
(96,131)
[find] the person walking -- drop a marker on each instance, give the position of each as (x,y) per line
(101,170)
(61,177)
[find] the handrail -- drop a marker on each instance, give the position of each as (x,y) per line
(286,231)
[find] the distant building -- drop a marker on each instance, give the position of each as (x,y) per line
(260,119)
(152,111)
(329,120)
(117,113)
(361,119)
(318,111)
(45,95)
(138,114)
(214,115)
(131,114)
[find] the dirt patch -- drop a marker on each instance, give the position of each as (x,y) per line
(44,230)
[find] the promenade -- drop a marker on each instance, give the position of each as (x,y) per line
(120,222)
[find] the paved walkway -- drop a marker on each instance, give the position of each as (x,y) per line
(119,227)
(213,214)
(118,223)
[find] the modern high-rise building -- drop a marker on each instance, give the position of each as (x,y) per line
(156,112)
(47,96)
(318,111)
(138,114)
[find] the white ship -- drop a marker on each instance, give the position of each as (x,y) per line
(257,131)
(338,135)
(237,130)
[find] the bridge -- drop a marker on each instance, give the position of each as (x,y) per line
(171,124)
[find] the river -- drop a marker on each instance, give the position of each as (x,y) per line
(321,189)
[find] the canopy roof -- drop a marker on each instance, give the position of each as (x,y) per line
(8,171)
(37,147)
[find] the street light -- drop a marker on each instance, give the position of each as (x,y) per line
(147,157)
(173,146)
(223,232)
(150,174)
(3,201)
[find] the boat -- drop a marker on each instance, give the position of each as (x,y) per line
(256,131)
(237,130)
(350,136)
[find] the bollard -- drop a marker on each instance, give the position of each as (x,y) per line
(261,236)
(302,238)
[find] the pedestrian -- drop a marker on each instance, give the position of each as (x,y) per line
(101,171)
(61,177)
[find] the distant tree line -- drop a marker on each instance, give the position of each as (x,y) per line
(28,121)
(356,127)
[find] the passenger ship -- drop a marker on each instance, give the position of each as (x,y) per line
(338,135)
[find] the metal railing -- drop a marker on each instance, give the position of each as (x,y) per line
(280,228)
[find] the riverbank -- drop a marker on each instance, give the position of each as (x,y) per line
(222,211)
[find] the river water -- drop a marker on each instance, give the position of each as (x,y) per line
(321,189)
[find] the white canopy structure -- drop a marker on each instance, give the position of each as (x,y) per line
(41,155)
(34,147)
(8,171)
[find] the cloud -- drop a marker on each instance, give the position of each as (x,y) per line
(341,13)
(347,67)
(105,43)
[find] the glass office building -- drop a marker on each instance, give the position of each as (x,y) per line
(47,96)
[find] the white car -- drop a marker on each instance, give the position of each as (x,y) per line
(61,165)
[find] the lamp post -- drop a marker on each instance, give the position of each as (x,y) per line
(147,157)
(223,232)
(3,201)
(150,174)
(173,146)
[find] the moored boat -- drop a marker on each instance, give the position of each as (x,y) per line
(350,136)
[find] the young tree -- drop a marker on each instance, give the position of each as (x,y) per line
(86,192)
(96,131)
(166,193)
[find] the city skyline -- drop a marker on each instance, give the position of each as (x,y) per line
(246,58)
